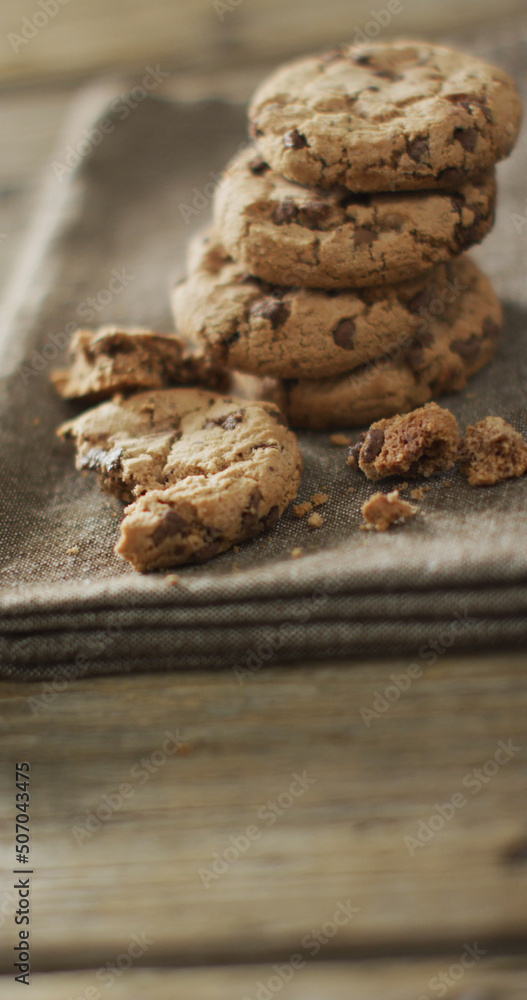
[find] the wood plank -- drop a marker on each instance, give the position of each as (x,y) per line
(491,978)
(90,36)
(340,841)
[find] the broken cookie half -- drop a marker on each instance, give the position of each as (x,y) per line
(208,471)
(419,443)
(111,360)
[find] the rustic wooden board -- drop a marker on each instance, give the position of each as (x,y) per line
(340,842)
(491,979)
(89,36)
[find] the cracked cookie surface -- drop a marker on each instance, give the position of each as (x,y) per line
(110,360)
(389,116)
(420,369)
(247,324)
(419,443)
(209,471)
(292,235)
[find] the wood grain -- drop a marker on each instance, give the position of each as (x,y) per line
(493,978)
(89,36)
(340,842)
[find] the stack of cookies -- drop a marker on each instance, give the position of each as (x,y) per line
(334,281)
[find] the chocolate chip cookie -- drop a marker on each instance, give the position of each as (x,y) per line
(292,235)
(247,324)
(112,360)
(386,116)
(419,443)
(209,471)
(422,367)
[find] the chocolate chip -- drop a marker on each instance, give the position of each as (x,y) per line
(258,166)
(295,140)
(285,211)
(415,356)
(469,349)
(388,74)
(469,102)
(250,520)
(280,419)
(420,301)
(490,328)
(271,309)
(172,524)
(232,420)
(450,177)
(355,198)
(417,148)
(468,138)
(344,333)
(271,518)
(255,131)
(313,214)
(119,345)
(363,60)
(98,460)
(465,236)
(364,236)
(354,452)
(208,551)
(372,446)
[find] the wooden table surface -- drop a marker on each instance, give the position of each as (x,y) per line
(193,837)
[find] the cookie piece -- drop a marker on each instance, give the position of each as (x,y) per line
(492,451)
(153,440)
(246,324)
(419,443)
(292,235)
(110,360)
(388,116)
(421,368)
(384,509)
(209,471)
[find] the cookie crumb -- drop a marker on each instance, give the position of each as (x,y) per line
(420,492)
(492,451)
(403,487)
(384,509)
(36,422)
(73,551)
(301,509)
(351,489)
(447,482)
(173,580)
(340,440)
(296,553)
(319,498)
(236,548)
(419,443)
(315,521)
